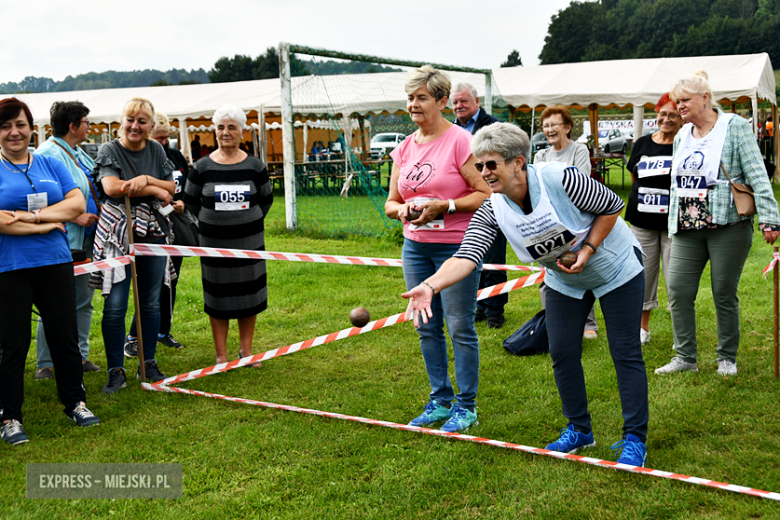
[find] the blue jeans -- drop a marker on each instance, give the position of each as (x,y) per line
(457,305)
(84,295)
(150,270)
(622,309)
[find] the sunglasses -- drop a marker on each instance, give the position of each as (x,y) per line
(491,165)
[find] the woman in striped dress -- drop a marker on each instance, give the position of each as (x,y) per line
(230,193)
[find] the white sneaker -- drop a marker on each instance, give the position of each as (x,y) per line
(726,367)
(644,336)
(677,365)
(590,334)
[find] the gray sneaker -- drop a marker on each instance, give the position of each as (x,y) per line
(131,348)
(726,367)
(677,365)
(44,373)
(89,366)
(12,432)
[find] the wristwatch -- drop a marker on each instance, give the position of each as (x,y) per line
(451,209)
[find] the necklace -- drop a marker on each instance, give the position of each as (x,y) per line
(3,159)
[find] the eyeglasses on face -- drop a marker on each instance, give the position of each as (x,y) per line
(491,165)
(669,116)
(85,121)
(550,126)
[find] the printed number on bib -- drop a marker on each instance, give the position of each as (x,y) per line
(691,186)
(653,166)
(549,245)
(653,200)
(177,177)
(231,197)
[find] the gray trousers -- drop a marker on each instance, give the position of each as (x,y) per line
(726,249)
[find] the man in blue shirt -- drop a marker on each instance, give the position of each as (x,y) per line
(468,114)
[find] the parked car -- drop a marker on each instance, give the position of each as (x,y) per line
(612,141)
(91,149)
(383,144)
(539,142)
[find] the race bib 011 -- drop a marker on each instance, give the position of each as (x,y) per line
(231,197)
(653,200)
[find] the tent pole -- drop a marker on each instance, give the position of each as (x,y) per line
(288,136)
(533,115)
(639,121)
(262,134)
(489,93)
(593,115)
(184,139)
(754,106)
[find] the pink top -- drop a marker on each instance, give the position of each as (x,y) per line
(432,170)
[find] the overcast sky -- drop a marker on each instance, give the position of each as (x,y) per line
(57,38)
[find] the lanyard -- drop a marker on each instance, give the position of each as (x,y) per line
(29,162)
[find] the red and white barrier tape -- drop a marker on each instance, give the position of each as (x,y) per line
(487,292)
(213,252)
(500,444)
(775,259)
(101,265)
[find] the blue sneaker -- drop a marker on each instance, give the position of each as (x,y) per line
(460,420)
(633,451)
(433,412)
(571,441)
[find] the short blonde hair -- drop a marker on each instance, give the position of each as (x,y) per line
(697,82)
(161,123)
(133,107)
(437,82)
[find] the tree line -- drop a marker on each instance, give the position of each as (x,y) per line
(630,29)
(238,68)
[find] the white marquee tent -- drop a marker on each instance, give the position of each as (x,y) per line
(638,83)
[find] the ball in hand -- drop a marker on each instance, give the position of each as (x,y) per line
(413,214)
(568,259)
(359,317)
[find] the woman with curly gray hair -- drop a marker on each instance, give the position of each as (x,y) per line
(229,192)
(546,211)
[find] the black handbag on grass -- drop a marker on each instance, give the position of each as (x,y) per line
(529,339)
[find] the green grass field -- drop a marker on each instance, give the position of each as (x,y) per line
(246,462)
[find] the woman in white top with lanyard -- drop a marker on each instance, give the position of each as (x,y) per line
(544,212)
(703,219)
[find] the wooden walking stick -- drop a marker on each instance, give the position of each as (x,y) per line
(777,318)
(136,300)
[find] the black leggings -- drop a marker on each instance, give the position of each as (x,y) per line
(52,290)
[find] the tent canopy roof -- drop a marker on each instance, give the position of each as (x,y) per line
(624,82)
(633,82)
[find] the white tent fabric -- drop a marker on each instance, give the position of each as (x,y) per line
(633,82)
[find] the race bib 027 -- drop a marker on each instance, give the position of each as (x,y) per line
(550,244)
(231,197)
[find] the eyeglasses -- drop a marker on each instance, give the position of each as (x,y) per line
(491,165)
(550,126)
(86,122)
(670,117)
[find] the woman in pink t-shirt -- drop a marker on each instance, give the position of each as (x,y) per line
(434,174)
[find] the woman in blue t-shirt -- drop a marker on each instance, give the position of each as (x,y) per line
(37,194)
